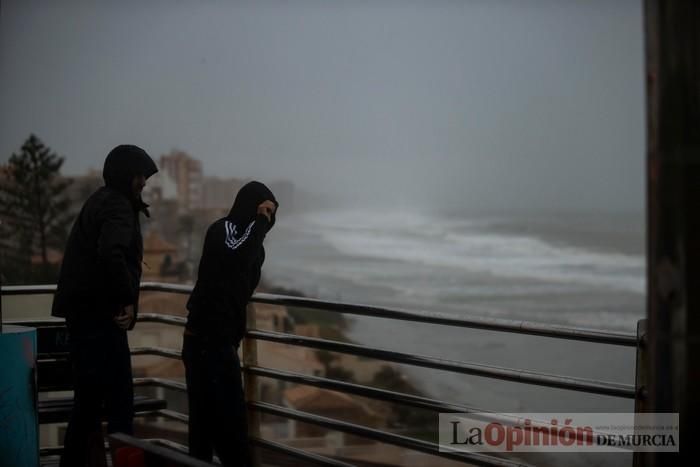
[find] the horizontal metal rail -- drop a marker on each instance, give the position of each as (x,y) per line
(169,444)
(173,415)
(161,318)
(382,436)
(264,443)
(157,351)
(43,289)
(28,289)
(490,324)
(46,451)
(141,318)
(363,391)
(476,369)
(166,287)
(162,383)
(36,323)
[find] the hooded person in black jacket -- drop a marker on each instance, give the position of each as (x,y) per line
(97,294)
(229,272)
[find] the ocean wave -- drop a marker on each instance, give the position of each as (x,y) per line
(467,245)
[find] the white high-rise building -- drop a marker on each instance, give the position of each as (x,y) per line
(186,172)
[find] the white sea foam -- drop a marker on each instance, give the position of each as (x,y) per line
(468,246)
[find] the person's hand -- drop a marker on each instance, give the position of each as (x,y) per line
(267,208)
(124,319)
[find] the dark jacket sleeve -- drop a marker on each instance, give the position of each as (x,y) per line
(115,235)
(255,271)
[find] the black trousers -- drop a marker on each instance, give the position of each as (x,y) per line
(217,408)
(102,384)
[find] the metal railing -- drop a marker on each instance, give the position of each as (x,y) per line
(253,371)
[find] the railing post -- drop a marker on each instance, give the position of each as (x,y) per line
(641,381)
(252,389)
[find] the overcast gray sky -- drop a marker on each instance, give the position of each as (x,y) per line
(484,104)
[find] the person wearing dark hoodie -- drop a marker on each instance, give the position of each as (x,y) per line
(229,272)
(97,294)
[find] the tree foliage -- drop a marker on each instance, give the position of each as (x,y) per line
(34,212)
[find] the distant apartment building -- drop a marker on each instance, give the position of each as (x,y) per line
(186,172)
(219,193)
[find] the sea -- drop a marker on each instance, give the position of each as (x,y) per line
(577,269)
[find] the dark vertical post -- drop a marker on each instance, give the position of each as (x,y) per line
(673,203)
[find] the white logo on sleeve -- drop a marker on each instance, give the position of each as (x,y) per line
(231,232)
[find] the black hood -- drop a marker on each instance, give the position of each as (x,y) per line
(123,163)
(249,197)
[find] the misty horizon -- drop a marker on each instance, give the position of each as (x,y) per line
(535,106)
